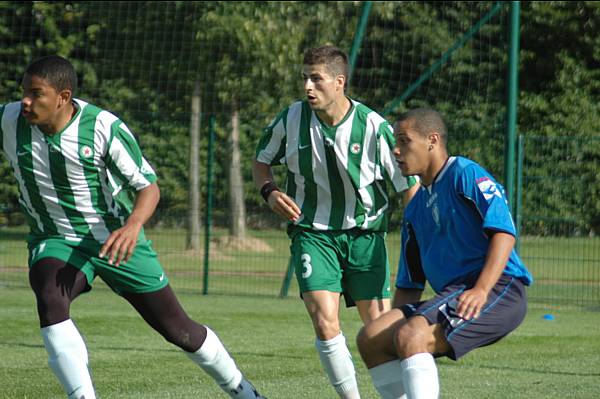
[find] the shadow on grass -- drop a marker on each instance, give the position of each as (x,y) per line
(95,348)
(145,349)
(530,370)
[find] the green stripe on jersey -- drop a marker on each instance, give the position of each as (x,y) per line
(309,206)
(337,212)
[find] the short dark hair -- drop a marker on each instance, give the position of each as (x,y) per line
(426,121)
(332,57)
(56,70)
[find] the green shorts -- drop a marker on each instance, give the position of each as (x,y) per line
(353,262)
(142,273)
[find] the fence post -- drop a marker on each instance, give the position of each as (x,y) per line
(209,194)
(513,87)
(285,286)
(519,193)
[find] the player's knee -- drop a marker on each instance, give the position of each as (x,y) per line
(47,292)
(327,329)
(404,338)
(52,307)
(410,340)
(364,341)
(185,336)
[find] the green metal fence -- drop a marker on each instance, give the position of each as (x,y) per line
(143,61)
(558,216)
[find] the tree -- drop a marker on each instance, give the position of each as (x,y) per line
(193,230)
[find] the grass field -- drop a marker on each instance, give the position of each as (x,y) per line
(272,341)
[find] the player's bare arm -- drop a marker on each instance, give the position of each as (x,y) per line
(278,201)
(408,194)
(471,301)
(121,243)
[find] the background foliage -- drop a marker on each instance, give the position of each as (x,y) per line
(141,60)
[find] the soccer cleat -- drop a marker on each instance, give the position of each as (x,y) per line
(245,391)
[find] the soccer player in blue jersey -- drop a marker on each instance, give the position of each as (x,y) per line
(457,235)
(70,160)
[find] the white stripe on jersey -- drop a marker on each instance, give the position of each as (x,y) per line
(104,121)
(320,176)
(41,165)
(271,149)
(127,165)
(10,149)
(369,154)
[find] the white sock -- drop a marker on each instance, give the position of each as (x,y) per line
(213,358)
(387,379)
(68,359)
(337,362)
(420,377)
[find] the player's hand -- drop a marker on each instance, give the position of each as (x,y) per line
(121,243)
(284,206)
(471,302)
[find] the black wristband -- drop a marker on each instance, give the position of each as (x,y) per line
(267,189)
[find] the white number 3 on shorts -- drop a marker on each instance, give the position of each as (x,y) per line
(305,259)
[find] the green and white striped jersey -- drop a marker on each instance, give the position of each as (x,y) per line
(70,182)
(337,175)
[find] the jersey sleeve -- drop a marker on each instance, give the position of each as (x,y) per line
(488,196)
(125,161)
(410,269)
(391,171)
(271,146)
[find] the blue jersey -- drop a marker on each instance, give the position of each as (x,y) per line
(446,226)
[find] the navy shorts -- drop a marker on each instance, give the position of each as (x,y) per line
(503,312)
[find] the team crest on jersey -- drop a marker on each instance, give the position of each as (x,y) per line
(85,151)
(488,188)
(355,148)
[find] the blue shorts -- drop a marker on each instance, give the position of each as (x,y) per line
(503,312)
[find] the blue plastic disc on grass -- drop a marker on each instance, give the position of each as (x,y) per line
(548,317)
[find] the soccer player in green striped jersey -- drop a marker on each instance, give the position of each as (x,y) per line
(339,160)
(71,160)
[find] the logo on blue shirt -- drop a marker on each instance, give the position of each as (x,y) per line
(488,188)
